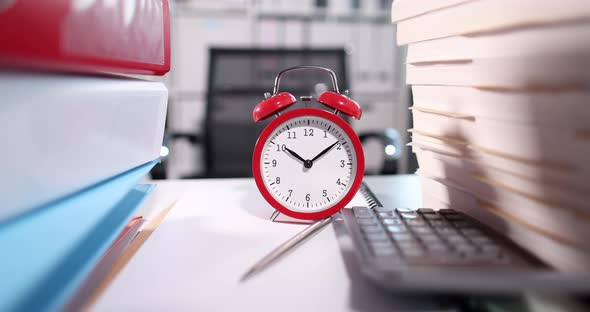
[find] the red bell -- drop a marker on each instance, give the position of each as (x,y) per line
(341,103)
(273,105)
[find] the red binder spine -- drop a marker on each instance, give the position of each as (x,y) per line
(120,36)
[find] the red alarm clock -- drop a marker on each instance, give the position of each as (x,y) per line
(308,163)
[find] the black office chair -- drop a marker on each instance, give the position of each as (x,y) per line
(238,78)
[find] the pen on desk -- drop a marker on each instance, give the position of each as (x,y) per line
(285,247)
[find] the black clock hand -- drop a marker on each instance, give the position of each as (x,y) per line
(295,155)
(324,151)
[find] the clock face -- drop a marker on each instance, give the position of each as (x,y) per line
(308,163)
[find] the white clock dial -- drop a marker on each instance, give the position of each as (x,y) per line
(308,164)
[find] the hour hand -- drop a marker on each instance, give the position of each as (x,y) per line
(295,155)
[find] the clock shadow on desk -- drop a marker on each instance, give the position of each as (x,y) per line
(254,204)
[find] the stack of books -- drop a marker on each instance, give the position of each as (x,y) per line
(501,94)
(78,133)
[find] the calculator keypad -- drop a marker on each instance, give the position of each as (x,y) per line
(427,236)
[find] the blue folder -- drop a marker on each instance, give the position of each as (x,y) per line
(45,255)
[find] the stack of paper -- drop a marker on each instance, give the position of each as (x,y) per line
(500,107)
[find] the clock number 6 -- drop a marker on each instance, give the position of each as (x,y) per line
(307,197)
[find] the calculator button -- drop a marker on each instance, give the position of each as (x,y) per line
(396,228)
(491,248)
(413,252)
(447,211)
(430,239)
(438,223)
(432,216)
(465,248)
(422,230)
(377,236)
(361,211)
(471,232)
(409,215)
(388,251)
(371,228)
(437,249)
(480,257)
(454,217)
(391,221)
(410,244)
(382,209)
(403,237)
(380,244)
(456,239)
(416,222)
(480,240)
(446,230)
(426,211)
(386,214)
(463,224)
(365,221)
(390,216)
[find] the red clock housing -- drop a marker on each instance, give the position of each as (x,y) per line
(356,147)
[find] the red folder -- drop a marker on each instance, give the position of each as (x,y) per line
(118,36)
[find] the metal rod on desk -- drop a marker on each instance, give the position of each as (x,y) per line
(285,247)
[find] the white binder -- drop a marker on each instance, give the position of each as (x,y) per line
(62,133)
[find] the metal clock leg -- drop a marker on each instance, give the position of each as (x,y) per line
(274,215)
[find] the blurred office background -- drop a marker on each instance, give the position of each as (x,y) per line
(281,29)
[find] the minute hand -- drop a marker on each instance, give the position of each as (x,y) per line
(324,151)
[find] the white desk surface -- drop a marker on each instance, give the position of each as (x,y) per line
(219,228)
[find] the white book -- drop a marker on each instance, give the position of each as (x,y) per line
(404,9)
(568,108)
(487,181)
(559,146)
(546,40)
(574,179)
(548,247)
(544,73)
(62,133)
(487,16)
